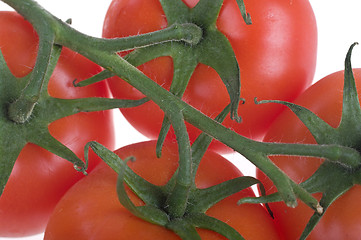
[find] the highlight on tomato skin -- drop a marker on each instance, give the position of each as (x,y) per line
(276,56)
(342,219)
(39,178)
(91,210)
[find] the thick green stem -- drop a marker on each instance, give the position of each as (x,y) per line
(188,33)
(34,13)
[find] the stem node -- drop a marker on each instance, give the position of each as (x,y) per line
(21,110)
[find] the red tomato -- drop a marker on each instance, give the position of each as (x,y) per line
(339,222)
(276,55)
(39,178)
(91,210)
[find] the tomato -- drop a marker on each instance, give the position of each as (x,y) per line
(40,178)
(276,56)
(339,222)
(91,210)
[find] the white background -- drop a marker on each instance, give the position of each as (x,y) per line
(339,25)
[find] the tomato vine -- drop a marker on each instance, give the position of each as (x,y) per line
(195,36)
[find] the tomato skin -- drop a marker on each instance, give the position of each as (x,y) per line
(339,222)
(39,178)
(90,209)
(276,55)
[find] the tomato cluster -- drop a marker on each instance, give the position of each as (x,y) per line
(275,58)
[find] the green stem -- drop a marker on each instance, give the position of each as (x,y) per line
(21,109)
(206,222)
(34,13)
(183,229)
(184,67)
(307,198)
(94,79)
(163,98)
(241,144)
(178,199)
(188,33)
(67,107)
(250,149)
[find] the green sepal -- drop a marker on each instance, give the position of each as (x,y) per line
(271,198)
(48,142)
(68,107)
(94,79)
(9,153)
(217,52)
(162,135)
(332,180)
(184,229)
(246,17)
(206,12)
(302,193)
(201,220)
(174,10)
(203,199)
(319,129)
(351,111)
(149,213)
(148,192)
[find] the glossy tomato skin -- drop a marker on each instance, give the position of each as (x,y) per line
(90,209)
(39,178)
(342,219)
(276,55)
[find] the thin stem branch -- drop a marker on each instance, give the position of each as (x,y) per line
(178,199)
(21,109)
(189,33)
